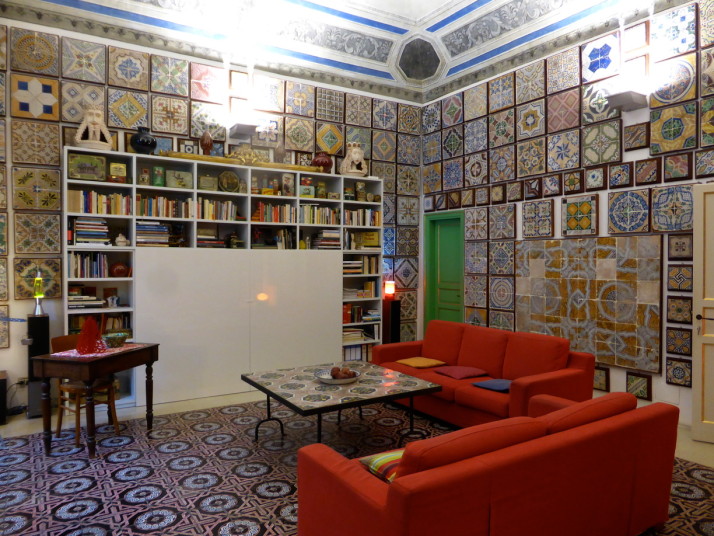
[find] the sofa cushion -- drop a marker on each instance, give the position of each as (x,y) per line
(448,385)
(528,354)
(459,373)
(484,348)
(420,362)
(588,411)
(383,465)
(499,385)
(467,443)
(483,400)
(443,340)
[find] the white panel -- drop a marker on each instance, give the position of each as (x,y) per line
(194,302)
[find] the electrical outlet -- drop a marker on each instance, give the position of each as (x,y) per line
(23,381)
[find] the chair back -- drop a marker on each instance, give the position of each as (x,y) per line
(64,342)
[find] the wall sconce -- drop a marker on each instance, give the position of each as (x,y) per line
(38,293)
(619,95)
(389,290)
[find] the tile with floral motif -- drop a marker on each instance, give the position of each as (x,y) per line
(530,82)
(431,178)
(384,114)
(530,159)
(384,145)
(501,92)
(530,120)
(36,189)
(431,117)
(452,110)
(408,119)
(208,83)
(602,143)
(538,219)
(475,102)
(453,173)
(128,68)
(169,75)
(563,70)
(476,135)
(502,166)
(431,147)
(476,169)
(358,110)
(595,105)
(299,134)
(564,150)
(674,32)
(407,180)
(83,60)
(299,99)
(330,137)
(453,141)
(34,52)
(501,128)
(673,128)
(35,142)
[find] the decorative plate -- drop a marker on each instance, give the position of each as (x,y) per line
(325,376)
(228,181)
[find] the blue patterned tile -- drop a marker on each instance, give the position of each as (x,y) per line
(476,291)
(453,174)
(388,268)
(476,223)
(169,75)
(628,212)
(476,257)
(390,241)
(299,99)
(502,163)
(431,178)
(453,142)
(501,258)
(407,180)
(505,320)
(408,149)
(431,148)
(384,114)
(406,273)
(501,292)
(502,222)
(389,209)
(384,145)
(360,135)
(672,208)
(601,58)
(501,93)
(476,169)
(431,117)
(564,150)
(674,32)
(476,135)
(538,219)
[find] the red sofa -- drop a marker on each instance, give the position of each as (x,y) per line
(594,468)
(536,364)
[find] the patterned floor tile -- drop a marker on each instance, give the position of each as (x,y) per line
(83,60)
(77,97)
(35,143)
(384,145)
(299,99)
(453,141)
(672,208)
(530,82)
(408,241)
(475,102)
(501,292)
(431,148)
(595,106)
(431,178)
(564,110)
(37,233)
(538,219)
(169,75)
(384,114)
(299,134)
(476,135)
(502,222)
(501,128)
(330,138)
(407,210)
(330,105)
(128,68)
(408,149)
(628,212)
(36,189)
(677,81)
(406,273)
(602,143)
(579,215)
(476,257)
(452,110)
(207,117)
(564,150)
(673,128)
(476,291)
(208,83)
(530,120)
(563,70)
(127,109)
(601,58)
(476,223)
(32,97)
(431,118)
(34,52)
(358,110)
(501,92)
(530,159)
(408,119)
(675,32)
(679,309)
(502,163)
(476,169)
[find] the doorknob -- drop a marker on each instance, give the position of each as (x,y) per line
(700,317)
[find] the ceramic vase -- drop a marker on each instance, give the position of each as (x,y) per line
(323,161)
(143,142)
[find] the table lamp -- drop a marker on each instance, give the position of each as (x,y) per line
(38,293)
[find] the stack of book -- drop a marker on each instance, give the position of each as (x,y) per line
(352,335)
(207,237)
(152,233)
(89,231)
(326,239)
(84,302)
(351,267)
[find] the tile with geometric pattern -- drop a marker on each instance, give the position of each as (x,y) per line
(330,137)
(601,58)
(32,97)
(431,117)
(453,174)
(35,142)
(501,92)
(628,212)
(476,290)
(679,309)
(431,178)
(476,257)
(676,81)
(169,75)
(408,119)
(82,60)
(530,159)
(673,128)
(453,141)
(648,171)
(530,82)
(128,109)
(602,143)
(564,150)
(431,147)
(538,219)
(502,222)
(476,135)
(680,277)
(564,110)
(501,128)
(358,110)
(579,215)
(504,320)
(407,210)
(407,180)
(408,299)
(501,291)
(384,145)
(36,189)
(672,208)
(299,99)
(476,169)
(330,105)
(475,101)
(678,341)
(501,258)
(206,117)
(37,233)
(563,70)
(299,134)
(25,271)
(408,241)
(408,149)
(595,106)
(384,114)
(208,83)
(77,97)
(476,223)
(452,110)
(502,163)
(128,68)
(530,119)
(674,32)
(34,52)
(406,272)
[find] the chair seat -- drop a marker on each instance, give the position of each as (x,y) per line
(77,387)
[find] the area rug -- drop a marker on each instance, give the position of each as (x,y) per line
(202,473)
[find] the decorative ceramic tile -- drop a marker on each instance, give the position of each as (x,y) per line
(602,143)
(390,240)
(704,164)
(530,158)
(514,191)
(4,284)
(530,82)
(431,117)
(679,309)
(648,171)
(530,120)
(299,134)
(680,247)
(25,271)
(268,93)
(476,316)
(501,92)
(595,178)
(406,273)
(408,298)
(501,258)
(127,109)
(453,199)
(389,209)
(502,320)
(299,99)
(476,223)
(330,138)
(270,134)
(407,180)
(35,143)
(502,165)
(476,135)
(77,97)
(538,219)
(83,60)
(3,140)
(3,233)
(408,241)
(677,81)
(707,123)
(453,174)
(706,23)
(3,189)
(407,331)
(501,128)
(3,86)
(363,136)
(34,52)
(678,341)
(358,110)
(385,171)
(431,148)
(500,293)
(453,141)
(628,212)
(475,101)
(564,150)
(208,83)
(573,182)
(3,47)
(452,110)
(563,70)
(531,188)
(476,169)
(672,208)
(498,194)
(330,105)
(36,189)
(706,74)
(639,385)
(621,175)
(476,257)
(37,233)
(384,145)
(679,372)
(431,178)
(680,277)
(32,97)
(552,185)
(467,197)
(128,68)
(677,167)
(408,119)
(674,32)
(207,117)
(595,106)
(502,222)
(601,380)
(476,290)
(601,58)
(440,202)
(482,196)
(579,215)
(384,114)
(169,75)
(564,110)
(636,136)
(428,203)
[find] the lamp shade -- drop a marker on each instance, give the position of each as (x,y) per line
(389,289)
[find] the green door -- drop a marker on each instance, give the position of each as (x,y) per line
(444,264)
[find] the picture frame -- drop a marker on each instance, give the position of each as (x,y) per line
(639,384)
(601,381)
(680,247)
(87,167)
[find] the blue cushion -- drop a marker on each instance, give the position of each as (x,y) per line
(502,386)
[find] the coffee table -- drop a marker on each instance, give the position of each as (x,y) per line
(298,389)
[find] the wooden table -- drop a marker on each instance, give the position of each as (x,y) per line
(87,369)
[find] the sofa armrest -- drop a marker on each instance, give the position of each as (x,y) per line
(396,350)
(566,383)
(334,491)
(543,404)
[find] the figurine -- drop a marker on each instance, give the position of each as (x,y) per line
(92,132)
(121,241)
(354,163)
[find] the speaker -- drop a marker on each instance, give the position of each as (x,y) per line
(391,320)
(3,397)
(38,330)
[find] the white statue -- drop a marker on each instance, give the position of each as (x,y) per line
(92,132)
(121,241)
(354,163)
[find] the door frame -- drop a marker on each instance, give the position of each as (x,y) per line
(430,263)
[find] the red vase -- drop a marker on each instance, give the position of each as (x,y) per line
(323,161)
(90,340)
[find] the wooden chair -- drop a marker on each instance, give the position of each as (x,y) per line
(74,391)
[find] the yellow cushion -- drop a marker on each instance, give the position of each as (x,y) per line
(421,362)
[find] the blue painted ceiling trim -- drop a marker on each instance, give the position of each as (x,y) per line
(135,17)
(530,37)
(350,17)
(457,15)
(329,62)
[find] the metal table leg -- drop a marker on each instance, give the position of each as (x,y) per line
(269,418)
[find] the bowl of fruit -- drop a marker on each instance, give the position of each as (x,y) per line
(337,375)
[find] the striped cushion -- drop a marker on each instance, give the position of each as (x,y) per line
(384,465)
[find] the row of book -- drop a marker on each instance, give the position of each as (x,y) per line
(352,314)
(362,240)
(85,302)
(317,215)
(152,233)
(357,352)
(368,290)
(273,239)
(88,231)
(211,209)
(91,202)
(107,322)
(358,335)
(363,216)
(158,206)
(364,266)
(326,239)
(274,213)
(87,264)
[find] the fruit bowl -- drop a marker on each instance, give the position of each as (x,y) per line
(115,340)
(325,376)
